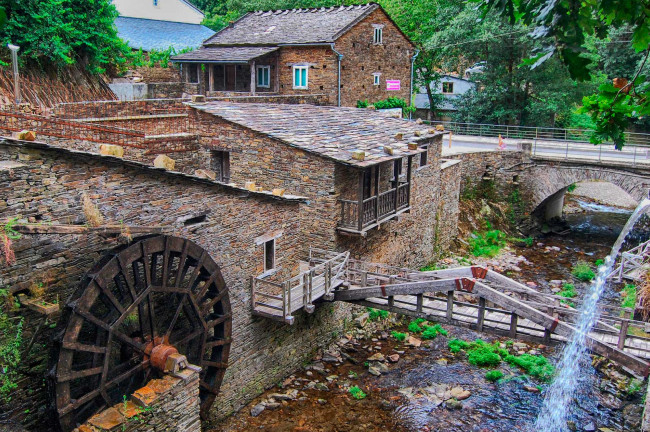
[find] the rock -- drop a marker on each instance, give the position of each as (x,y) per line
(453,404)
(374,371)
(332,357)
(206,174)
(27,135)
(111,150)
(556,282)
(441,361)
(531,284)
(272,405)
(332,378)
(413,341)
(590,427)
(571,425)
(322,401)
(379,357)
(381,367)
(459,393)
(281,397)
(361,320)
(257,409)
(321,387)
(531,389)
(165,162)
(393,358)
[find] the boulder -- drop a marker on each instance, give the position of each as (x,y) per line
(27,135)
(111,150)
(165,162)
(206,174)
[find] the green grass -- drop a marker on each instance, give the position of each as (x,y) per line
(431,332)
(535,366)
(629,296)
(357,393)
(599,262)
(456,345)
(487,244)
(414,326)
(376,314)
(494,375)
(582,271)
(433,266)
(571,187)
(568,291)
(483,357)
(399,336)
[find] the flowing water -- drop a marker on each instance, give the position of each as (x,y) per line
(557,403)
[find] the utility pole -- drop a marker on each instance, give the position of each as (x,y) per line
(14,60)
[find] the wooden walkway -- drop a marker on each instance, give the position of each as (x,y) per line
(474,297)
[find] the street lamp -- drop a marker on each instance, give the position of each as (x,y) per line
(14,60)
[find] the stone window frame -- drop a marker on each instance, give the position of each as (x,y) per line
(424,157)
(376,78)
(378,34)
(268,76)
(266,241)
(293,76)
(189,73)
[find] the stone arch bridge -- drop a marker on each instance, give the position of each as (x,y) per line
(543,183)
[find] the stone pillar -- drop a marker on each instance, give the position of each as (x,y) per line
(253,76)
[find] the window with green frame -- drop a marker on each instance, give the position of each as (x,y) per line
(264,76)
(300,77)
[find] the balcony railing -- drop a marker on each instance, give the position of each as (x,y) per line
(375,209)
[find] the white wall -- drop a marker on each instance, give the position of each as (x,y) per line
(166,10)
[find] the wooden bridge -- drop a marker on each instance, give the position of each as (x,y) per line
(474,297)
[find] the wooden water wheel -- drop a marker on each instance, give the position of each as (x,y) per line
(158,289)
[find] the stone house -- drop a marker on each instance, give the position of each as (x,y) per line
(451,88)
(348,53)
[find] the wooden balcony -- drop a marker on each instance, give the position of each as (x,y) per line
(368,212)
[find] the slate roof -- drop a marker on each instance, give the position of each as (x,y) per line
(330,132)
(224,54)
(148,34)
(296,26)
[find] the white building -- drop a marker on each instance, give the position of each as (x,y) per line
(160,24)
(451,87)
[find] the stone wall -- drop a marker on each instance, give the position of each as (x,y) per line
(322,74)
(170,403)
(391,59)
(159,74)
(44,186)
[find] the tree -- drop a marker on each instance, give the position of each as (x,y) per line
(566,27)
(64,32)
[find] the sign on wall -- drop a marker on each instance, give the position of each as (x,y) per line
(393,85)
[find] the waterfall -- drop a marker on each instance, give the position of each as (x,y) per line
(553,415)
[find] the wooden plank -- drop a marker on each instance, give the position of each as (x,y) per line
(397,289)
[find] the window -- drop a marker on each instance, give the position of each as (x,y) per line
(269,255)
(300,77)
(192,73)
(447,87)
(376,79)
(424,156)
(264,76)
(378,34)
(220,164)
(397,171)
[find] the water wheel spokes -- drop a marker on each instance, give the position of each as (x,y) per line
(158,290)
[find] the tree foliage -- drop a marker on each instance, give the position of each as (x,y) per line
(566,27)
(63,32)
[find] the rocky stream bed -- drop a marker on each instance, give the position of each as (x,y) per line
(420,385)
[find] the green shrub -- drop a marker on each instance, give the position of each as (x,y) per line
(430,332)
(599,262)
(483,356)
(391,102)
(535,366)
(362,103)
(456,345)
(414,327)
(568,291)
(629,296)
(399,336)
(432,267)
(377,314)
(583,272)
(487,244)
(572,187)
(494,375)
(357,393)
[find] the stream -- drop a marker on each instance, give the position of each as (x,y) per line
(429,388)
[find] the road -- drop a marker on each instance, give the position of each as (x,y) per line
(552,150)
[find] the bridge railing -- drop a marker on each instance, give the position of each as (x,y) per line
(562,144)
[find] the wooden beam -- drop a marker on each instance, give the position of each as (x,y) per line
(412,288)
(360,201)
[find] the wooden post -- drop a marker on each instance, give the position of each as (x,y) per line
(377,192)
(481,314)
(364,278)
(360,201)
(284,301)
(211,77)
(306,282)
(420,302)
(409,174)
(513,325)
(547,332)
(391,299)
(450,305)
(253,292)
(625,323)
(287,288)
(328,277)
(397,186)
(253,82)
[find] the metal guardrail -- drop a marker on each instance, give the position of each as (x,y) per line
(560,144)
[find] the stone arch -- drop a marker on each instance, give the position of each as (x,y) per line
(541,183)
